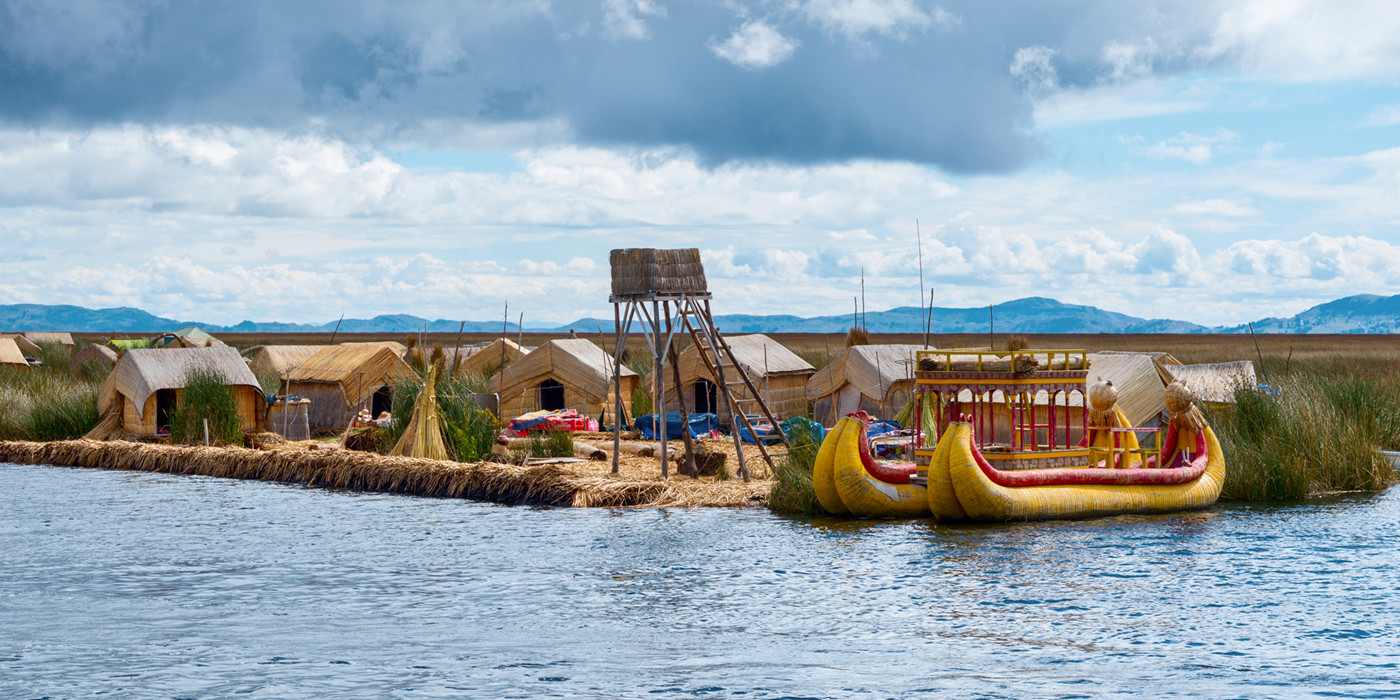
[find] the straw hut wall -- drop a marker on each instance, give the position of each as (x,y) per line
(491,358)
(779,375)
(342,380)
(279,360)
(38,337)
(187,337)
(26,345)
(1215,383)
(10,353)
(562,374)
(146,383)
(876,379)
(93,353)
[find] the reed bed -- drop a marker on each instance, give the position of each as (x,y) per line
(572,484)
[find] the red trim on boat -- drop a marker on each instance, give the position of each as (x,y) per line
(1180,472)
(888,472)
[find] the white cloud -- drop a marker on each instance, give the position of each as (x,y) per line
(1129,61)
(1111,102)
(625,19)
(755,46)
(1311,39)
(1031,66)
(1216,207)
(1193,148)
(1388,115)
(857,18)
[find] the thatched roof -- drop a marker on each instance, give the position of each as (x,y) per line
(49,337)
(1141,388)
(394,345)
(648,271)
(359,368)
(487,359)
(1163,360)
(571,361)
(26,345)
(1215,383)
(10,353)
(279,359)
(872,369)
(187,337)
(143,371)
(761,356)
(93,353)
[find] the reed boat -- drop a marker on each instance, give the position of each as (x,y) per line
(999,437)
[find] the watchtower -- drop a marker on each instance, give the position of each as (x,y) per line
(665,291)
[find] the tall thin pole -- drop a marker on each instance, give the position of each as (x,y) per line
(617,383)
(991,327)
(1259,353)
(920,238)
(864,320)
(457,348)
(928,317)
(337,328)
(855,313)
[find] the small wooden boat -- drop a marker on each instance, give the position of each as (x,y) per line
(1038,473)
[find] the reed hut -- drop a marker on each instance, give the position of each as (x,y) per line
(279,360)
(1215,383)
(1141,383)
(779,375)
(342,380)
(489,359)
(25,345)
(563,374)
(146,384)
(41,337)
(187,337)
(877,379)
(92,354)
(10,354)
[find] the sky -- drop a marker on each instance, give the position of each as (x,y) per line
(1215,162)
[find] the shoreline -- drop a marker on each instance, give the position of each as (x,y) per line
(575,485)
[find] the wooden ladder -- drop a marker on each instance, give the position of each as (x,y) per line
(719,359)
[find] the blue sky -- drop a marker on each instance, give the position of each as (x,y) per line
(1209,161)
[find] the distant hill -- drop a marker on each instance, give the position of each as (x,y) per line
(1363,313)
(1029,315)
(1356,314)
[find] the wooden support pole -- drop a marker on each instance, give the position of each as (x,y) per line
(688,459)
(621,336)
(658,408)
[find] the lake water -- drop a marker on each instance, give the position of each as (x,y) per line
(144,585)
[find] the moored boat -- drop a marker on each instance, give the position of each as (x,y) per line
(1003,430)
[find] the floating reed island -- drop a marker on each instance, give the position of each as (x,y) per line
(570,484)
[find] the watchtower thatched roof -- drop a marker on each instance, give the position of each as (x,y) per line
(490,358)
(143,371)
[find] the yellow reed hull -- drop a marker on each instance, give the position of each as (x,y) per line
(860,493)
(823,471)
(983,500)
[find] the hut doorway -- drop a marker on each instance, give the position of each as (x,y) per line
(383,400)
(165,405)
(551,395)
(706,394)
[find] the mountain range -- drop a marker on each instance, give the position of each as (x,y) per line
(1355,314)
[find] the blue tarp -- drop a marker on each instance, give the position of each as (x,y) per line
(700,424)
(818,430)
(880,427)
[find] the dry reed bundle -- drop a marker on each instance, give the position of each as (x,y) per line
(319,465)
(645,271)
(423,436)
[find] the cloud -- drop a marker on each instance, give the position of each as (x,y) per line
(1216,207)
(857,18)
(1033,69)
(1388,115)
(1193,148)
(624,18)
(755,46)
(1129,61)
(1309,40)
